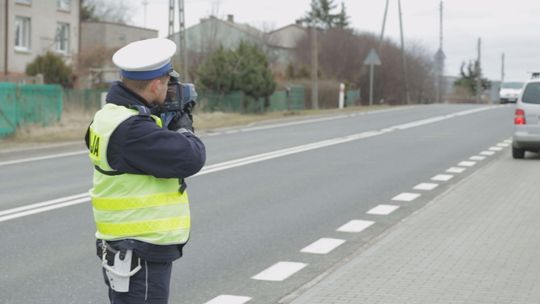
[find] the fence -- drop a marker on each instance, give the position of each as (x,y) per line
(25,104)
(88,100)
(352,98)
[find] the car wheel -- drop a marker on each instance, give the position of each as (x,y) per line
(518,153)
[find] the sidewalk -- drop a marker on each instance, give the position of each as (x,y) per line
(478,243)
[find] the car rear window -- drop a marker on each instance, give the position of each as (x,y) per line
(532,93)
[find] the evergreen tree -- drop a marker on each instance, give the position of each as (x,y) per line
(321,15)
(217,73)
(342,20)
(244,69)
(254,77)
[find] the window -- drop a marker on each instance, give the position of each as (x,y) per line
(62,37)
(532,93)
(22,33)
(27,2)
(63,5)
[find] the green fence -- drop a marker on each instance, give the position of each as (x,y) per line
(87,99)
(352,98)
(292,99)
(27,104)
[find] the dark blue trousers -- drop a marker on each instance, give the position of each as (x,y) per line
(150,285)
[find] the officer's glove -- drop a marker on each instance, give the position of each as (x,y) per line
(181,122)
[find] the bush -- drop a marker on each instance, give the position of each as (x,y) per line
(53,68)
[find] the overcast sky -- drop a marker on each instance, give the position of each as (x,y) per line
(505,26)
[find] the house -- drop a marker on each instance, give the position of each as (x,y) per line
(111,35)
(283,42)
(287,36)
(99,40)
(31,28)
(212,32)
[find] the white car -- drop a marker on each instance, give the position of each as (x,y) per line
(510,91)
(527,119)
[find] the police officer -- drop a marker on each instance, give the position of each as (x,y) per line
(139,200)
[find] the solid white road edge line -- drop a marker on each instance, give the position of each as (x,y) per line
(25,160)
(46,203)
(43,209)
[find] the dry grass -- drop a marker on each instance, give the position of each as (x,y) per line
(74,122)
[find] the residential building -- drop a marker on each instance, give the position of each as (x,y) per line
(30,28)
(99,40)
(111,35)
(212,32)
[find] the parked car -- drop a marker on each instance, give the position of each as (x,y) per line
(527,119)
(509,91)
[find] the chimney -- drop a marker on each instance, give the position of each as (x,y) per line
(230,18)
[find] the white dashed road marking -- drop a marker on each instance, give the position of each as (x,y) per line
(355,226)
(406,197)
(279,271)
(228,299)
(383,209)
(467,163)
(455,170)
(488,153)
(495,148)
(323,246)
(504,145)
(426,186)
(477,157)
(442,177)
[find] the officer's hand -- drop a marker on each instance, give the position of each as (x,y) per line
(181,121)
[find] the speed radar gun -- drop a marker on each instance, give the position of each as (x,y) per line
(181,98)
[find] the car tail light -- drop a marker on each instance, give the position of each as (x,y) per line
(519,119)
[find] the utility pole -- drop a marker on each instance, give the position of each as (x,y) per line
(182,41)
(479,72)
(314,68)
(403,59)
(502,68)
(439,59)
(145,3)
(383,23)
(171,18)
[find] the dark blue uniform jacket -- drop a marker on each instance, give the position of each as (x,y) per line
(140,146)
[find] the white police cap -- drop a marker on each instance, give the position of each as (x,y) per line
(145,59)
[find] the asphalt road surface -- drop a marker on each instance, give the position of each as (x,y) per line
(267,192)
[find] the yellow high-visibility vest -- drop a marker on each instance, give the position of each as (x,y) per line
(133,206)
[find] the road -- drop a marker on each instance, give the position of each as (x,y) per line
(267,192)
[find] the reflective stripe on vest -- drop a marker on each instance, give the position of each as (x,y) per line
(133,206)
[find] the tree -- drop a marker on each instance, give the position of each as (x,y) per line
(110,11)
(53,68)
(321,15)
(342,20)
(254,78)
(243,69)
(217,72)
(469,76)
